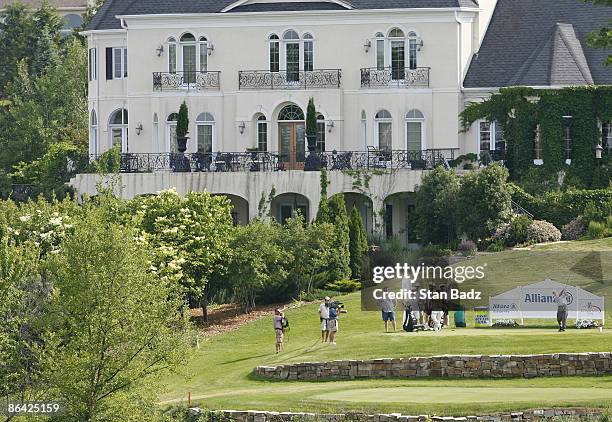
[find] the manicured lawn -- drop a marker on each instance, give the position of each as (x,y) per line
(219,375)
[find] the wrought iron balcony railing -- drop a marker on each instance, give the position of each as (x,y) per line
(175,81)
(269,161)
(373,77)
(286,79)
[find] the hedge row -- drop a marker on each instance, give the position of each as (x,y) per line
(560,208)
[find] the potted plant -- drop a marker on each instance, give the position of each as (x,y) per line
(311,125)
(182,128)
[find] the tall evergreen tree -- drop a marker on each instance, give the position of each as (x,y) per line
(358,243)
(340,261)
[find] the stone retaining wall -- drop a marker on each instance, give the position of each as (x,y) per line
(198,414)
(502,366)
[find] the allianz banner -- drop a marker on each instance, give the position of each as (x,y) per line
(538,301)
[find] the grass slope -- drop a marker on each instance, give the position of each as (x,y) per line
(219,375)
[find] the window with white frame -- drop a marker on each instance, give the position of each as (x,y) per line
(491,138)
(320,146)
(380,50)
(415,131)
(189,57)
(308,53)
(93,63)
(93,133)
(262,133)
(172,53)
(537,144)
(384,130)
(364,130)
(274,52)
(155,133)
(606,136)
(171,140)
(292,55)
(203,50)
(205,130)
(120,63)
(118,130)
(391,51)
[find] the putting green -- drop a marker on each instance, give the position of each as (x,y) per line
(417,395)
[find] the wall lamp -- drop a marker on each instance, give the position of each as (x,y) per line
(241,127)
(330,125)
(420,44)
(159,50)
(367,45)
(139,128)
(598,151)
(210,48)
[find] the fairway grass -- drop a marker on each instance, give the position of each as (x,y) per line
(220,374)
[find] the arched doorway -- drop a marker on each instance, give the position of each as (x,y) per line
(240,210)
(286,205)
(291,137)
(364,207)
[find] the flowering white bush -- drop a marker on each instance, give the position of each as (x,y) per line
(586,323)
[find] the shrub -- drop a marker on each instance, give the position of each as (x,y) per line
(596,230)
(496,246)
(517,232)
(345,286)
(542,231)
(574,229)
(597,212)
(467,248)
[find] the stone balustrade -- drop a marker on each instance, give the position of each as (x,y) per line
(448,366)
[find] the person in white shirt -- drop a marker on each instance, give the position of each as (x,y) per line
(324,318)
(387,306)
(562,301)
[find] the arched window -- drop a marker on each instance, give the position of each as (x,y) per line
(397,46)
(415,131)
(291,112)
(308,53)
(155,133)
(320,147)
(274,53)
(93,133)
(189,57)
(384,130)
(262,133)
(171,143)
(413,47)
(380,50)
(364,130)
(205,129)
(171,55)
(118,129)
(203,45)
(292,55)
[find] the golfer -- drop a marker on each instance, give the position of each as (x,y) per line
(278,328)
(387,307)
(562,301)
(324,318)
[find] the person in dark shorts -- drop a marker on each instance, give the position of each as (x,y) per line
(561,300)
(387,307)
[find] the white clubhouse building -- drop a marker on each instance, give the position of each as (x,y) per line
(387,78)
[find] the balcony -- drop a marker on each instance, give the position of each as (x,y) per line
(186,81)
(312,79)
(395,77)
(268,161)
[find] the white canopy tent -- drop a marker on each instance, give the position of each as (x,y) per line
(536,301)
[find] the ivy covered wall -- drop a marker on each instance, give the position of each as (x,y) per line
(520,110)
